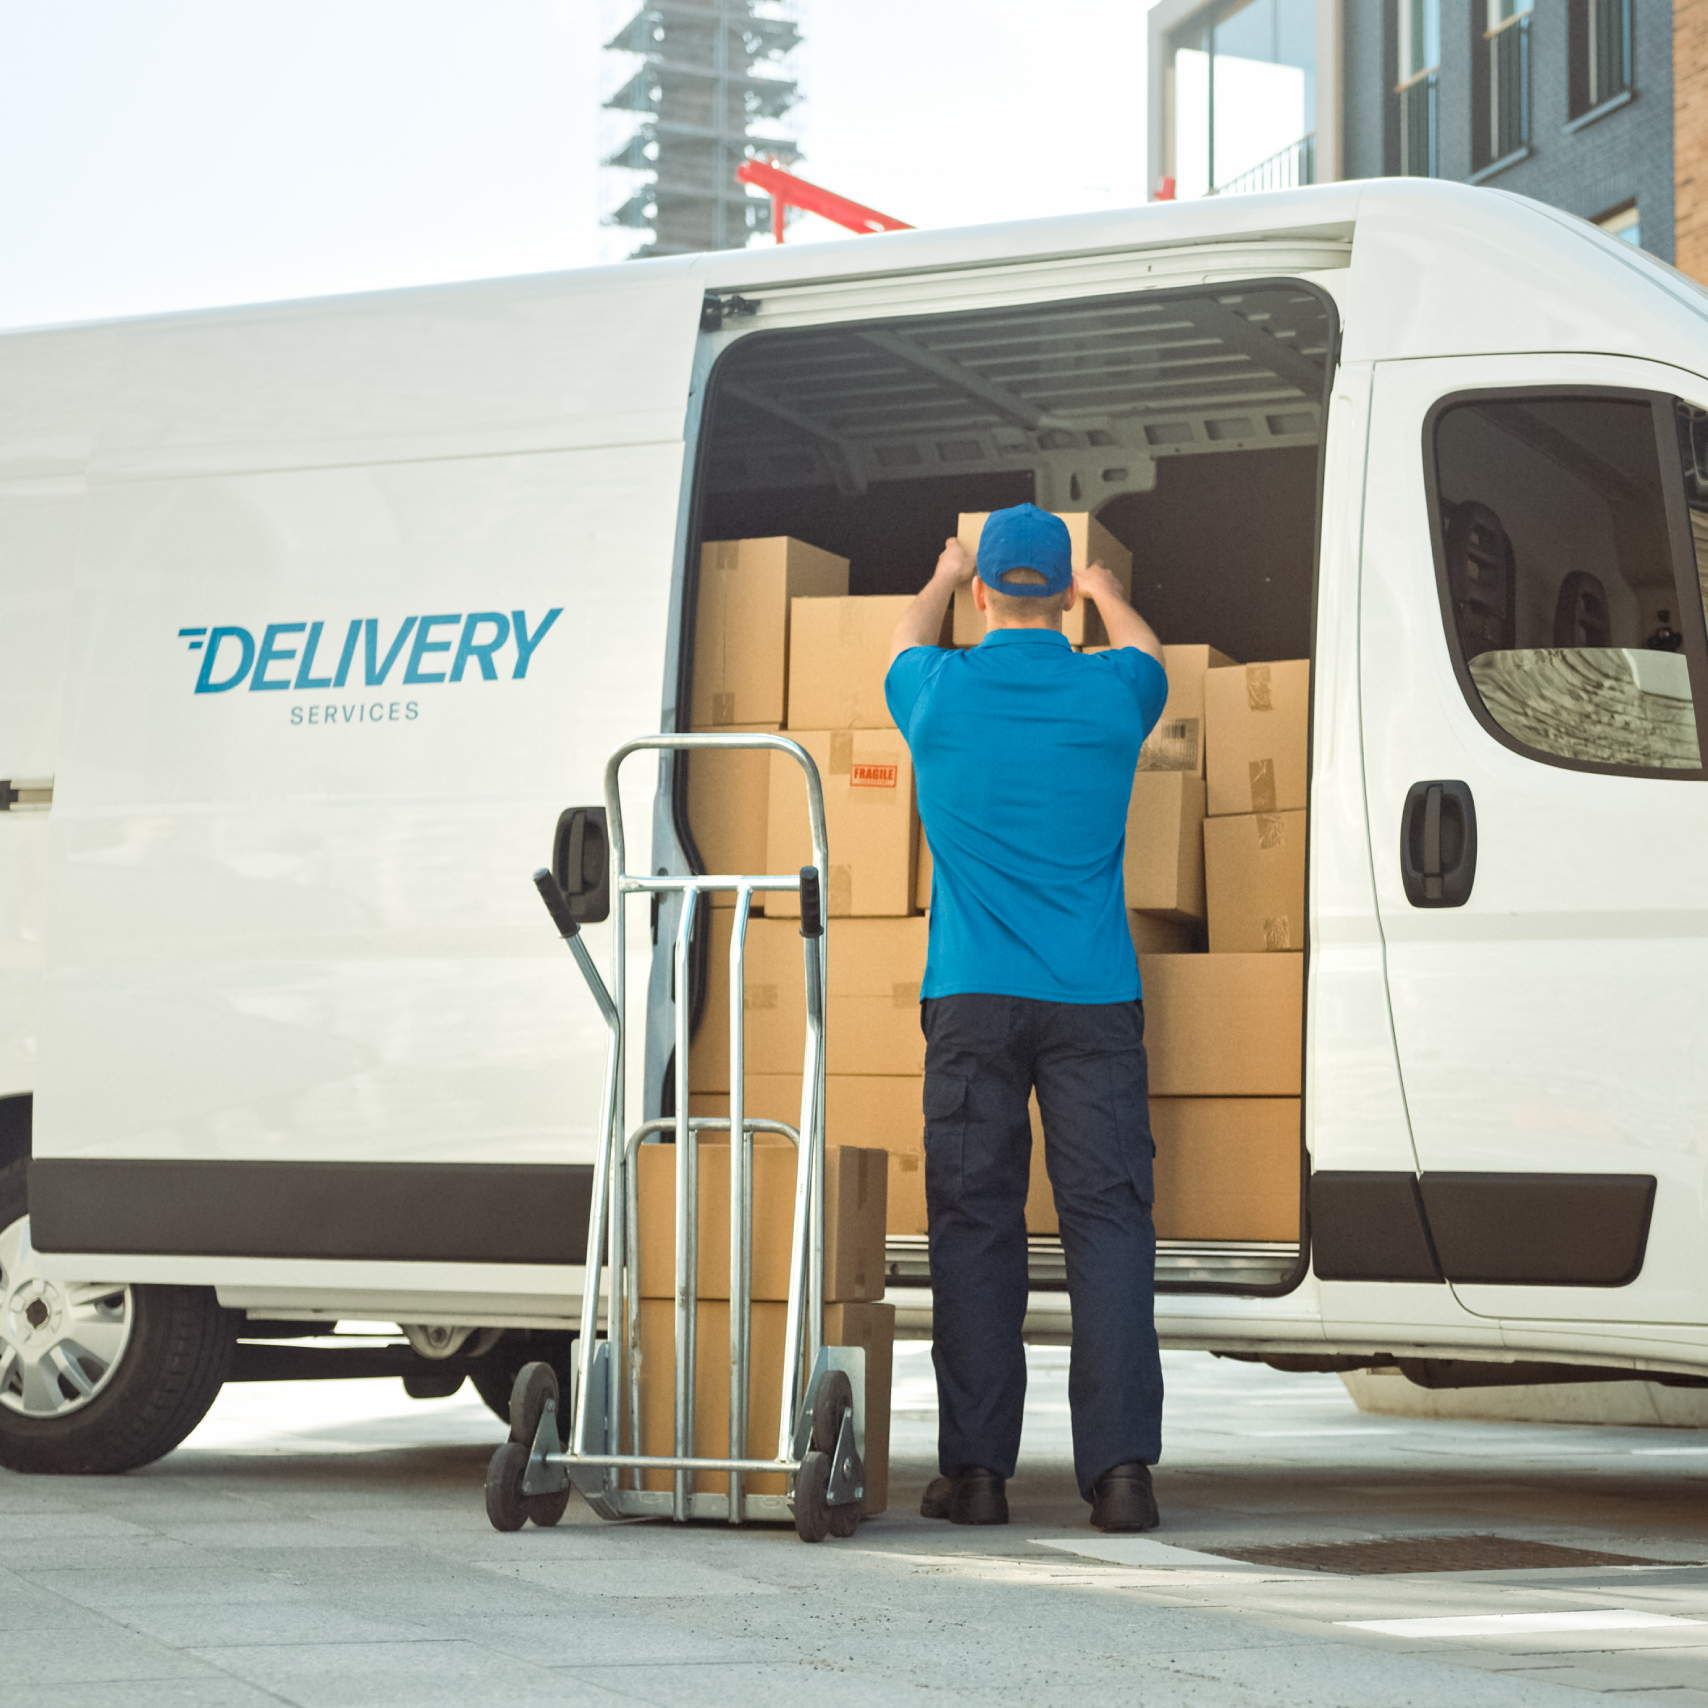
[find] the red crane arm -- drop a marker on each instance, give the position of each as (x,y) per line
(786,190)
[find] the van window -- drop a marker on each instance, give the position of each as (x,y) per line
(1559,578)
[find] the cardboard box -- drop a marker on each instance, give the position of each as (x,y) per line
(1224,1025)
(906,1212)
(854,1209)
(1177,742)
(1255,871)
(741,625)
(1092,543)
(870,1326)
(1227,1167)
(1256,720)
(729,797)
(876,1111)
(922,880)
(1153,935)
(867,778)
(839,655)
(708,1052)
(1163,867)
(871,1001)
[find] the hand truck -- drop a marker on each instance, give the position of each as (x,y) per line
(820,1436)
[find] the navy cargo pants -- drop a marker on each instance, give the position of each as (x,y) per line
(983,1056)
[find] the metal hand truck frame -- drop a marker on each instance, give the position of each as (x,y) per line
(821,1419)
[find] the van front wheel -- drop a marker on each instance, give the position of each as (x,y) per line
(97,1377)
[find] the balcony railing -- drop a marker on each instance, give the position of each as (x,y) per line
(1418,127)
(1509,88)
(1286,169)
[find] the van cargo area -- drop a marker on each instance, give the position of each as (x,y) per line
(1185,427)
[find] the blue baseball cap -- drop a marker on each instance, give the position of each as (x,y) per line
(1026,537)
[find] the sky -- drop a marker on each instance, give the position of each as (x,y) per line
(158,155)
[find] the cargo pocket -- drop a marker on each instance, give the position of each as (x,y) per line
(945,1136)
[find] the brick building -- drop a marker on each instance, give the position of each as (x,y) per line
(1596,106)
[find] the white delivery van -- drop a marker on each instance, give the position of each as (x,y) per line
(317,616)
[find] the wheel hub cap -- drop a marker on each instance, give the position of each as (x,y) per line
(60,1341)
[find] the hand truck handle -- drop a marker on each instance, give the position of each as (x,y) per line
(812,920)
(557,905)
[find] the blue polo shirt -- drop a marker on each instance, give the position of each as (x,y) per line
(1023,753)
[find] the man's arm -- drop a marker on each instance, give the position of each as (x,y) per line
(922,622)
(1126,627)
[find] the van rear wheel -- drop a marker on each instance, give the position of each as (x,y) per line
(97,1377)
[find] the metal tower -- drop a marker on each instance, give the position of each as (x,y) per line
(709,71)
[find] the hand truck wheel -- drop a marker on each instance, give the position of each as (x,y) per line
(833,1396)
(547,1509)
(812,1484)
(534,1385)
(845,1520)
(506,1505)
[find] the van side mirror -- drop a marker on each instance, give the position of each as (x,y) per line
(581,863)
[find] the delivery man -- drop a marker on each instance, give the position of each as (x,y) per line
(1024,752)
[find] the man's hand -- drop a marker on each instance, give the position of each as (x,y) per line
(922,622)
(1096,583)
(1126,627)
(956,566)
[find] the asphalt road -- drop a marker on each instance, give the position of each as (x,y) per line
(326,1545)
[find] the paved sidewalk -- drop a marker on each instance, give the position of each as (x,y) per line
(327,1545)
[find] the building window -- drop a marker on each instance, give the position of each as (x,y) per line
(1416,92)
(1500,88)
(1622,223)
(1244,99)
(1600,52)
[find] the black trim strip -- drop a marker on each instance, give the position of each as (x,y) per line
(1370,1226)
(379,1211)
(1540,1230)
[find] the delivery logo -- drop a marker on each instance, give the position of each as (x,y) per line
(301,657)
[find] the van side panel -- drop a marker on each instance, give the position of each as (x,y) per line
(338,663)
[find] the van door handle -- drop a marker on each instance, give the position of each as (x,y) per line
(1438,844)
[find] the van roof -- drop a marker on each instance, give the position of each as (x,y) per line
(1437,268)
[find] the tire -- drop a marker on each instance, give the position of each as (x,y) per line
(170,1350)
(506,1505)
(812,1482)
(495,1374)
(546,1510)
(535,1384)
(833,1396)
(845,1520)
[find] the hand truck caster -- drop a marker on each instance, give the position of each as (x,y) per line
(830,1485)
(519,1484)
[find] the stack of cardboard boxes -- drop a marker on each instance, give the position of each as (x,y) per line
(1215,852)
(1226,1029)
(853,1289)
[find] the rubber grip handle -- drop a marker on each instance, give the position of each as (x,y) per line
(812,918)
(557,904)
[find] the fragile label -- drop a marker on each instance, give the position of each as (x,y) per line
(864,775)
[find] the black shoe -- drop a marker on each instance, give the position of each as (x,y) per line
(1122,1499)
(975,1497)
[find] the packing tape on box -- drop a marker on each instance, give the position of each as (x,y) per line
(723,708)
(840,890)
(760,996)
(1270,828)
(1172,746)
(1277,933)
(1258,691)
(1264,798)
(905,995)
(842,754)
